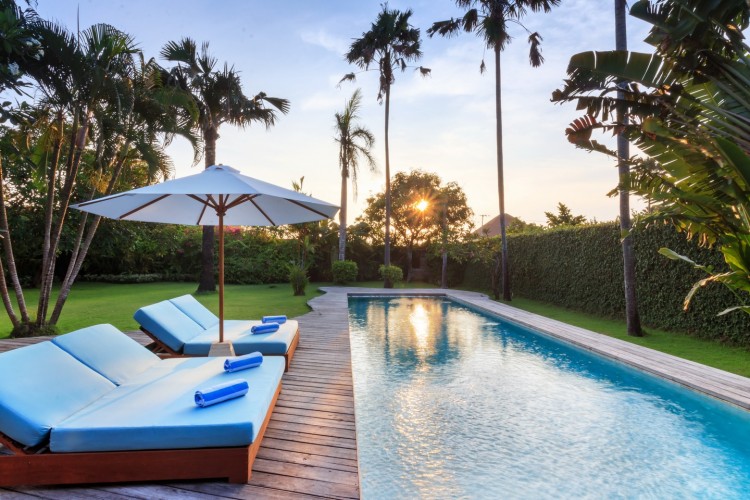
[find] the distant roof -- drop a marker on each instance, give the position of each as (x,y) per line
(492,228)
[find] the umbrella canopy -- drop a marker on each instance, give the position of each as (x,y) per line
(216,196)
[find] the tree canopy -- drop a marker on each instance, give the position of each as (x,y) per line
(564,217)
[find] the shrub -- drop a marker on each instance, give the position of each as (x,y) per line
(24,330)
(393,274)
(298,278)
(344,271)
(581,268)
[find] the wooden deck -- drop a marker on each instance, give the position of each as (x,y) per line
(310,447)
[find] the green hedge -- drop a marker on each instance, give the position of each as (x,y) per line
(581,268)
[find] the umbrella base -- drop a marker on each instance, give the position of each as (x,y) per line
(221,349)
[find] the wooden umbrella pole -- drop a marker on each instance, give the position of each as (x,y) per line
(221,276)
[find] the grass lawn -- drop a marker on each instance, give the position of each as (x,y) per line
(92,303)
(707,352)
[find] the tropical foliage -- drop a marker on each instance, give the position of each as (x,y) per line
(391,44)
(688,106)
(490,19)
(100,121)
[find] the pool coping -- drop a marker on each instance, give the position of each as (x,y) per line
(722,385)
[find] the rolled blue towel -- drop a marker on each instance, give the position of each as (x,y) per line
(218,393)
(243,362)
(274,319)
(265,328)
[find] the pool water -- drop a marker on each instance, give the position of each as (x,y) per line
(452,403)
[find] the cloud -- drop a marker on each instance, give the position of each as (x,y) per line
(325,40)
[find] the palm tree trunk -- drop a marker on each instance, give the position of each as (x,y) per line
(342,212)
(444,266)
(623,153)
(51,180)
(207,281)
(500,181)
(13,274)
(387,257)
(81,247)
(409,257)
(65,194)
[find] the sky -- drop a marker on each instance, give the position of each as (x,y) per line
(444,123)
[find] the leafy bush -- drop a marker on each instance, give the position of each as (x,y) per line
(24,330)
(394,274)
(344,271)
(581,268)
(298,278)
(136,278)
(123,278)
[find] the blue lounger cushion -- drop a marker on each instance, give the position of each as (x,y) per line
(40,386)
(168,323)
(108,351)
(196,311)
(156,410)
(243,341)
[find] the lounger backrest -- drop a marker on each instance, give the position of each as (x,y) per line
(40,386)
(197,311)
(108,351)
(167,323)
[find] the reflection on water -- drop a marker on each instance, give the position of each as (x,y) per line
(454,404)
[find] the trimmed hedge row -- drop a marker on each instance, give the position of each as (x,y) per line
(580,268)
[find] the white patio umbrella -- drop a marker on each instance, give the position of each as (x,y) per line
(216,196)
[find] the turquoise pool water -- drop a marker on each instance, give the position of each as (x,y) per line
(452,403)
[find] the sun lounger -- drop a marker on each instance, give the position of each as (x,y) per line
(93,406)
(184,327)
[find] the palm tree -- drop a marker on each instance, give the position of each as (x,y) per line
(349,136)
(354,141)
(219,98)
(391,43)
(489,19)
(623,167)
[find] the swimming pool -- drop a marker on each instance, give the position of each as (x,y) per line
(452,403)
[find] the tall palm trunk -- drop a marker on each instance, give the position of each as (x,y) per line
(71,172)
(500,181)
(12,272)
(387,258)
(342,212)
(623,153)
(207,282)
(82,245)
(51,182)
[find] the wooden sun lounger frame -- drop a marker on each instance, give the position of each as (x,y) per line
(34,467)
(164,351)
